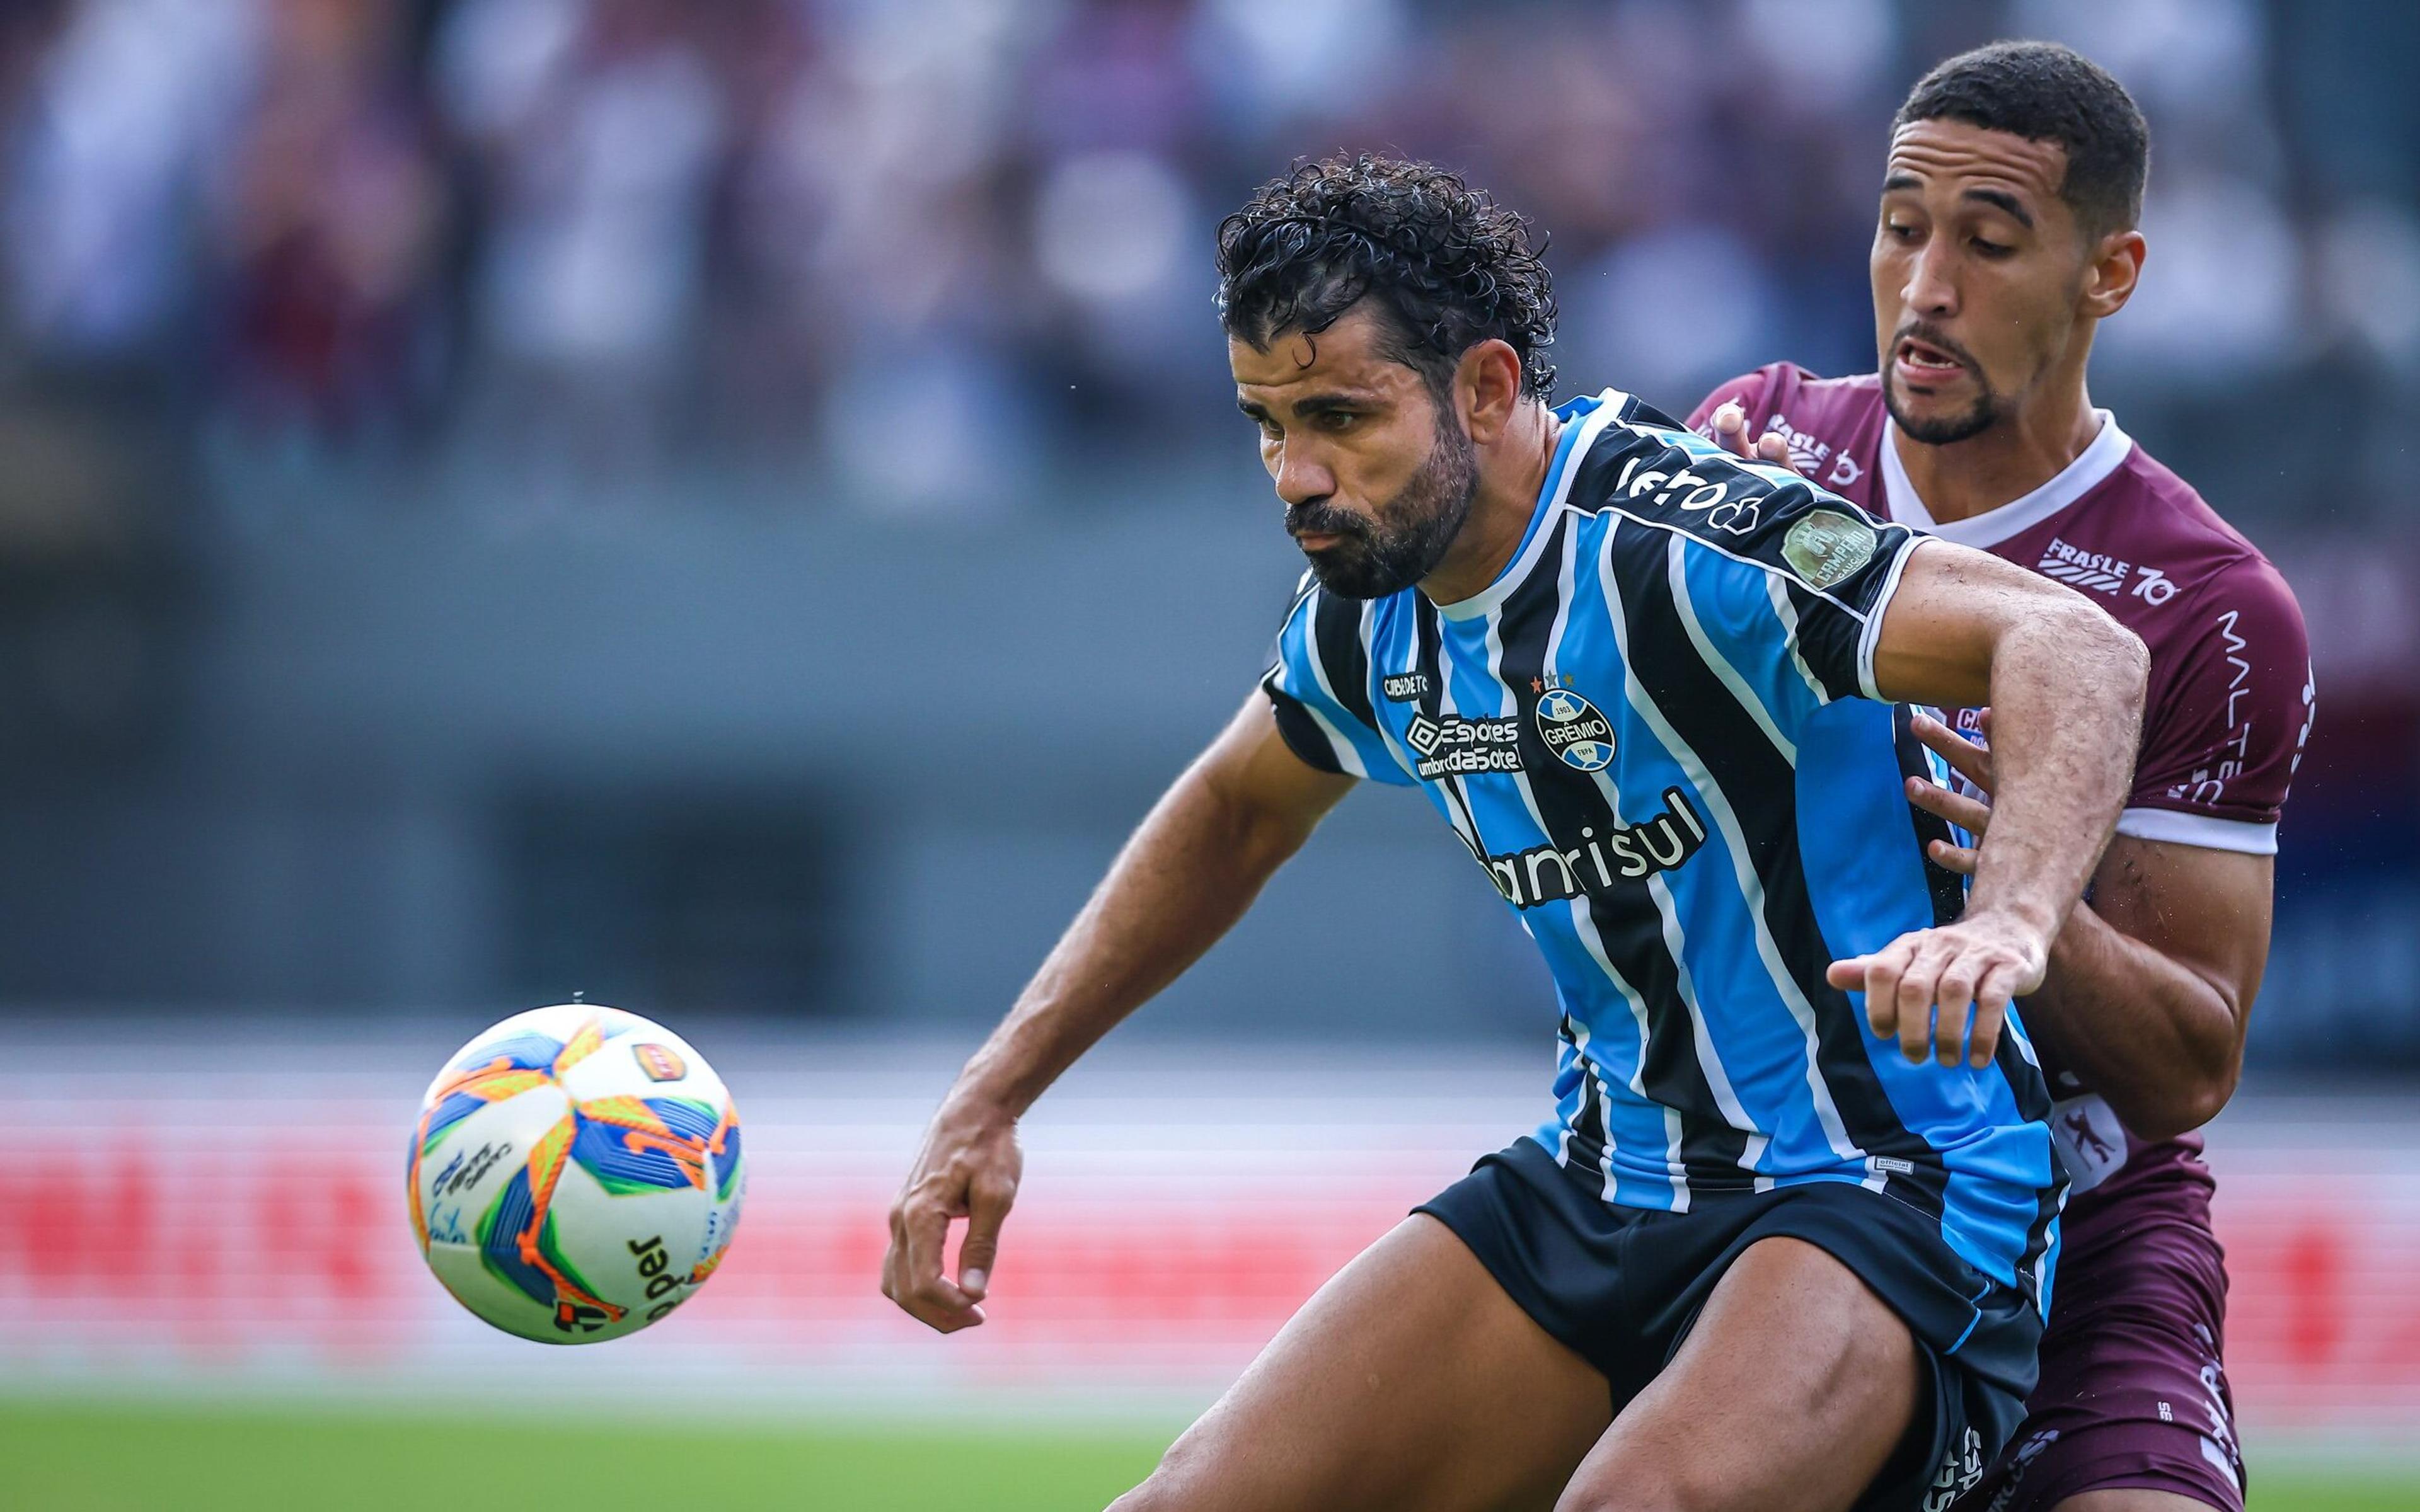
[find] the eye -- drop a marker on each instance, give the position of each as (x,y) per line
(1335,420)
(1990,249)
(1900,230)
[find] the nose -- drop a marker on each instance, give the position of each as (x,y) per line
(1932,289)
(1301,477)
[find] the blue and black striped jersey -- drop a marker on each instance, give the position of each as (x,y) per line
(1657,732)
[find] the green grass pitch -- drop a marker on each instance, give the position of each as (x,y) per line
(147,1458)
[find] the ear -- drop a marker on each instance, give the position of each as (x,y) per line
(1487,390)
(2110,277)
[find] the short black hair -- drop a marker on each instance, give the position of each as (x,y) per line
(1445,266)
(2044,92)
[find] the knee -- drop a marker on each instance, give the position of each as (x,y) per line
(1176,1484)
(1143,1498)
(1637,1499)
(1632,1493)
(1151,1496)
(1157,1493)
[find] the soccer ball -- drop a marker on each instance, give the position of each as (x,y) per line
(575,1175)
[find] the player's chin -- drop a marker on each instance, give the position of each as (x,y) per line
(1939,414)
(1348,571)
(1948,395)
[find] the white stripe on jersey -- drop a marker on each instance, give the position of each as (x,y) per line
(1788,613)
(1617,512)
(1751,890)
(1872,635)
(1348,756)
(1676,563)
(1709,1064)
(1584,923)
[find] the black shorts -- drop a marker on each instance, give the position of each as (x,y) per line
(1622,1287)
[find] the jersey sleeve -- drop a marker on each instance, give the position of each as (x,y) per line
(1752,389)
(1318,684)
(1809,612)
(2228,714)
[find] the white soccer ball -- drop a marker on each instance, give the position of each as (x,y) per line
(575,1174)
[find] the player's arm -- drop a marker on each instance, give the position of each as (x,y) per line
(2149,984)
(2065,685)
(1188,873)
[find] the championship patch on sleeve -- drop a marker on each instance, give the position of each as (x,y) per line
(1826,546)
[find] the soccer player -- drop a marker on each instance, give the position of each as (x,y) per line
(2007,235)
(1764,1253)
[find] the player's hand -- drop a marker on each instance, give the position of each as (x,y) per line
(1946,991)
(1729,424)
(968,1168)
(1969,761)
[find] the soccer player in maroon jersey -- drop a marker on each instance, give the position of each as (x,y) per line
(2007,235)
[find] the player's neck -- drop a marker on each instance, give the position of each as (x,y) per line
(1508,482)
(2005,463)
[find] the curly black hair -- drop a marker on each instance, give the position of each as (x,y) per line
(2044,92)
(1442,264)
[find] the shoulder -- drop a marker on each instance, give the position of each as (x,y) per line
(1642,463)
(2231,698)
(1786,389)
(1645,471)
(2189,574)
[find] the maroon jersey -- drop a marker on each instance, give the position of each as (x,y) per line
(2228,709)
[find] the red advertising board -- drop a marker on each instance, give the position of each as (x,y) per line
(258,1235)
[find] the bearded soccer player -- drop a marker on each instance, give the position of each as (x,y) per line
(1766,1252)
(2007,235)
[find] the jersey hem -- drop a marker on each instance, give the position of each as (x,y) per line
(2172,826)
(1870,639)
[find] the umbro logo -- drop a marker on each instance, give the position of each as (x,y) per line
(1457,746)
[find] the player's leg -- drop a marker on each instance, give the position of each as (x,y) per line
(1789,1395)
(2132,1411)
(1411,1382)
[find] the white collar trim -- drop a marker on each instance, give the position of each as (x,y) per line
(2106,453)
(1551,494)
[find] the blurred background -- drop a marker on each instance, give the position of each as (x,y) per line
(736,508)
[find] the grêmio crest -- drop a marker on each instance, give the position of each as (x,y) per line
(1574,730)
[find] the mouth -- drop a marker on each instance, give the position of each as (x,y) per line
(1312,541)
(1922,365)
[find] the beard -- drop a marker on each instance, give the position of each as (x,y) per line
(1980,416)
(1411,532)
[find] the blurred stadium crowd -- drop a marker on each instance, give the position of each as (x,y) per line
(275,269)
(613,232)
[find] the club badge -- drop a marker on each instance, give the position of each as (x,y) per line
(1573,729)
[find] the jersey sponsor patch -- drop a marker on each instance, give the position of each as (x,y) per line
(1548,873)
(1457,746)
(1826,546)
(2091,1140)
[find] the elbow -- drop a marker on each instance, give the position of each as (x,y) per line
(2136,662)
(2125,662)
(2210,1091)
(2186,1104)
